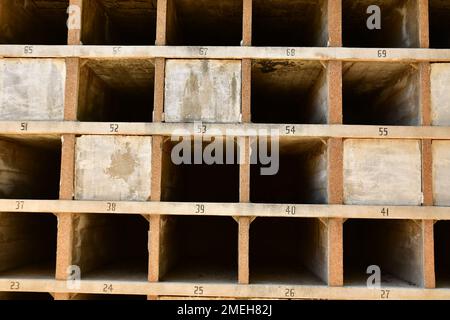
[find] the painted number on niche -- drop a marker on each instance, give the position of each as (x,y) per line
(14,285)
(28,49)
(117,50)
(19,205)
(201,128)
(382,54)
(23,126)
(198,290)
(290,293)
(385,294)
(113,128)
(290,130)
(385,212)
(290,210)
(199,208)
(203,51)
(107,288)
(383,132)
(290,52)
(111,206)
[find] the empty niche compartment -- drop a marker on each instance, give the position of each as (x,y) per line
(111,247)
(289,92)
(34,22)
(32,89)
(211,23)
(440,95)
(112,22)
(379,172)
(27,245)
(295,23)
(181,177)
(288,251)
(29,167)
(395,246)
(203,90)
(25,296)
(301,176)
(200,249)
(441,254)
(439,19)
(381,94)
(398,23)
(113,168)
(116,90)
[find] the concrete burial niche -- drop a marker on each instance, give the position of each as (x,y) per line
(440,94)
(441,254)
(212,23)
(395,246)
(108,297)
(32,89)
(439,16)
(378,172)
(441,172)
(203,90)
(33,22)
(113,168)
(200,249)
(27,245)
(21,296)
(383,93)
(288,251)
(180,181)
(398,27)
(110,22)
(301,176)
(30,167)
(116,90)
(111,247)
(289,92)
(296,23)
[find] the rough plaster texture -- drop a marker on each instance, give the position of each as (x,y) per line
(203,90)
(380,172)
(113,168)
(440,94)
(441,172)
(32,89)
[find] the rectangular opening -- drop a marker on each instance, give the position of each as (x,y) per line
(34,22)
(380,23)
(29,167)
(439,17)
(131,22)
(288,251)
(27,245)
(113,247)
(301,175)
(211,23)
(298,23)
(116,90)
(441,254)
(381,94)
(200,249)
(203,182)
(289,92)
(21,296)
(395,246)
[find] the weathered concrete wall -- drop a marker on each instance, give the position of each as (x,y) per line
(441,172)
(32,89)
(382,172)
(203,90)
(440,94)
(113,168)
